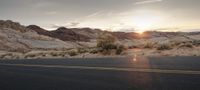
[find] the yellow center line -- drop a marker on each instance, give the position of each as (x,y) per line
(112,69)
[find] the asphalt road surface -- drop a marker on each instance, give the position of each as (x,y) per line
(128,73)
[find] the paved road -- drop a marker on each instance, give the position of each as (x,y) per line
(130,73)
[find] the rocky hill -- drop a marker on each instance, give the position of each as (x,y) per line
(68,34)
(16,37)
(79,34)
(8,24)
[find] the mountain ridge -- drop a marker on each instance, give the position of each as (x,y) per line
(16,37)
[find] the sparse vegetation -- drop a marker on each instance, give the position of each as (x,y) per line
(72,53)
(175,44)
(119,49)
(20,50)
(132,47)
(188,45)
(149,45)
(30,56)
(196,42)
(106,52)
(106,43)
(94,51)
(164,47)
(54,54)
(81,50)
(6,55)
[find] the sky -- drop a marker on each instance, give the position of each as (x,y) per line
(114,15)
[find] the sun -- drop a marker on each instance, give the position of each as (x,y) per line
(140,32)
(145,22)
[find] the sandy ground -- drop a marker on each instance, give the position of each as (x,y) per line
(195,51)
(173,52)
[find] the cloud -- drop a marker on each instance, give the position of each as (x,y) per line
(147,2)
(176,29)
(95,14)
(74,24)
(191,30)
(101,13)
(166,29)
(68,25)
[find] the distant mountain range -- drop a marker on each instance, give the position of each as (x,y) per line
(87,34)
(14,36)
(66,34)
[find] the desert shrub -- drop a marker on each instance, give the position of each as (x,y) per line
(164,47)
(175,44)
(20,50)
(120,49)
(30,56)
(149,45)
(94,51)
(105,52)
(106,42)
(54,54)
(81,50)
(133,46)
(6,55)
(72,53)
(188,45)
(106,45)
(43,54)
(196,42)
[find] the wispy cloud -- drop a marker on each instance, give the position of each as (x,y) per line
(101,13)
(166,29)
(147,2)
(95,14)
(68,25)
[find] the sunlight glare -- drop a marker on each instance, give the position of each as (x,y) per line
(140,32)
(135,58)
(145,22)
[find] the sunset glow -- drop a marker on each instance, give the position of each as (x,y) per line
(123,15)
(144,22)
(140,32)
